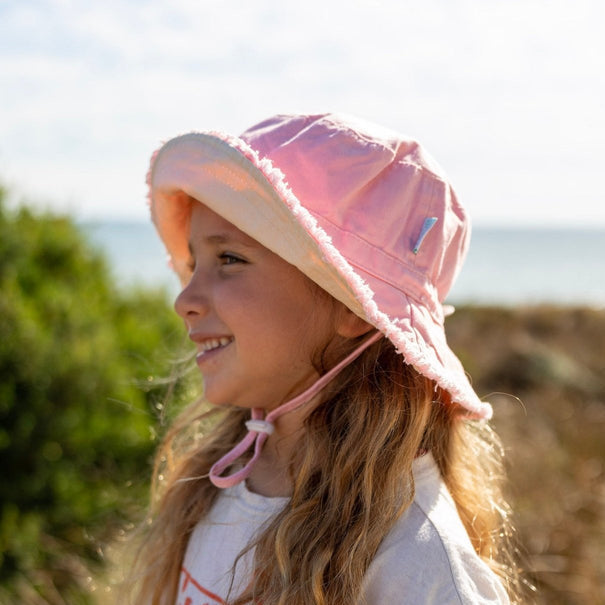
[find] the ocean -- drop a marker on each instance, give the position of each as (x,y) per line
(504,266)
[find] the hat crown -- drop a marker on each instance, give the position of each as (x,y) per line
(372,191)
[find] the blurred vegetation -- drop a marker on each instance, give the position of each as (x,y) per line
(80,402)
(553,360)
(81,395)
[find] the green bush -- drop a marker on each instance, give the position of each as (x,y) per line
(80,404)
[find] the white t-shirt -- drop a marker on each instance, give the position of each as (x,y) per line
(426,559)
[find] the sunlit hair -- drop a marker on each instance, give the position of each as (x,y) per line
(352,479)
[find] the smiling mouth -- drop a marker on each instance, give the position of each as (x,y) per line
(213,343)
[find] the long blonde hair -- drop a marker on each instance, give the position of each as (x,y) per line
(351,478)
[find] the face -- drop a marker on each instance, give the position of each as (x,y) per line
(257,321)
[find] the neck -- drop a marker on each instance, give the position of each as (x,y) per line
(270,475)
(261,428)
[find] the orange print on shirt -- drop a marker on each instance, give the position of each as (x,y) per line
(194,593)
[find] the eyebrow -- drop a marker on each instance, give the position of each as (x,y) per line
(219,238)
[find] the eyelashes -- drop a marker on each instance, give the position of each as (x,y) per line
(225,259)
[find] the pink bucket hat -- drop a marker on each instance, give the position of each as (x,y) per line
(364,212)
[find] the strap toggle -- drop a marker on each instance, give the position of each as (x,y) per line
(256,425)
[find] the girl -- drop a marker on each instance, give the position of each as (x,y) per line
(350,460)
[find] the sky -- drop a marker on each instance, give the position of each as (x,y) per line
(507,95)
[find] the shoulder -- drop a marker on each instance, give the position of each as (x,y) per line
(427,557)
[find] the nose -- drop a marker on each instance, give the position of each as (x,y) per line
(192,302)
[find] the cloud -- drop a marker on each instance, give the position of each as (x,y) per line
(507,95)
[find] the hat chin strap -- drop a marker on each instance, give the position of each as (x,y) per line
(260,428)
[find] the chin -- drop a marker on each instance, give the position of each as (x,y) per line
(224,400)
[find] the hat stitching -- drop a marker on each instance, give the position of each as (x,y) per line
(355,134)
(434,305)
(434,308)
(379,251)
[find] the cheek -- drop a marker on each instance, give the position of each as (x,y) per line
(304,328)
(276,318)
(283,328)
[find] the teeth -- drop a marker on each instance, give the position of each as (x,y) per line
(214,343)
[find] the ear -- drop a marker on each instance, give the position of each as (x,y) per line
(350,325)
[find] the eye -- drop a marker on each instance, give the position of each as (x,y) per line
(227,258)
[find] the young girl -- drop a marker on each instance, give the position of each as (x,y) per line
(350,460)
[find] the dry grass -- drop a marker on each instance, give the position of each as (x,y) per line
(553,360)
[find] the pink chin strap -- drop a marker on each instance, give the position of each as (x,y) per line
(260,428)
